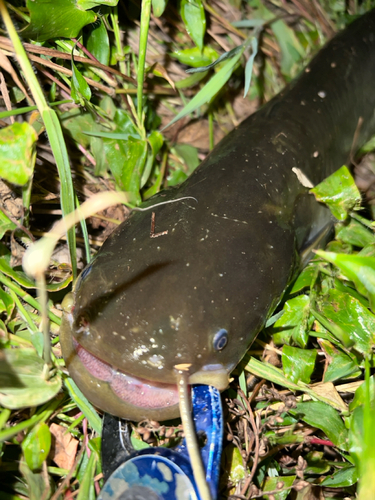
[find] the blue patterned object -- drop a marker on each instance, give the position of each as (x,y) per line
(163,473)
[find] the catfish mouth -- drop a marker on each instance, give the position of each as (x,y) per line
(138,392)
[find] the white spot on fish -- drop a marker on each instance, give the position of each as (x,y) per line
(140,351)
(174,322)
(316,154)
(156,361)
(114,333)
(322,94)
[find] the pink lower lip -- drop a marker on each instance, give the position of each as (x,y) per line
(135,391)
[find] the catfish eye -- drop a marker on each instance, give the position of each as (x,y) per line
(220,340)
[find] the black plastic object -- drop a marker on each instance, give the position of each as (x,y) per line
(162,473)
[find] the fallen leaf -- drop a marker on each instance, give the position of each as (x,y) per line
(64,447)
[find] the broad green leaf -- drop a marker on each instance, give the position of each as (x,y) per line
(223,57)
(137,442)
(278,482)
(304,279)
(360,270)
(56,19)
(97,43)
(368,147)
(298,364)
(5,223)
(189,155)
(294,323)
(36,445)
(95,445)
(323,417)
(339,247)
(339,192)
(17,158)
(339,333)
(89,4)
(80,90)
(368,250)
(341,478)
(355,319)
(22,379)
(125,124)
(344,286)
(360,394)
(354,233)
(316,464)
(80,125)
(340,364)
(126,160)
(193,15)
(194,57)
(233,463)
(158,7)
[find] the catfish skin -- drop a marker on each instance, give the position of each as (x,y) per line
(146,303)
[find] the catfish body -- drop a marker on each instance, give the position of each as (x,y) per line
(198,293)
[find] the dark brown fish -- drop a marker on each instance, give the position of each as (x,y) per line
(199,293)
